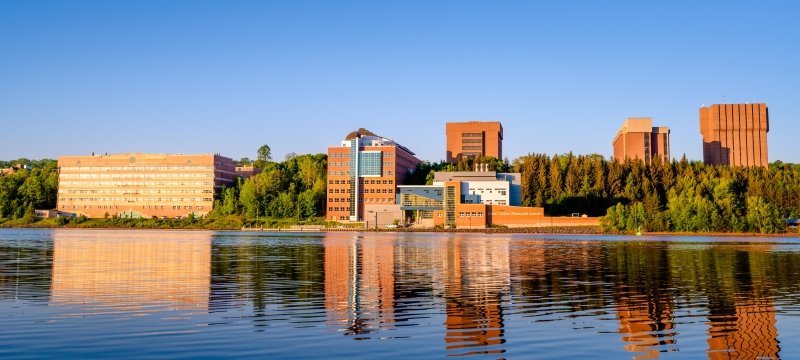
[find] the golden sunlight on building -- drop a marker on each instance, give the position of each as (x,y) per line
(132,271)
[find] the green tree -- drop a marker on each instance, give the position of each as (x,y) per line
(265,153)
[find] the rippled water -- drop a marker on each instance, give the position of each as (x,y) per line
(182,294)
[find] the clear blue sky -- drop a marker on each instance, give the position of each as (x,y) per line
(228,76)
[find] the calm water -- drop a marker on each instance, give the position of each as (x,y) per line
(154,294)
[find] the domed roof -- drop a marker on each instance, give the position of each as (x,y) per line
(358,133)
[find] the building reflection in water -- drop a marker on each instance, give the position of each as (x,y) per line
(476,275)
(643,299)
(742,316)
(359,283)
(132,270)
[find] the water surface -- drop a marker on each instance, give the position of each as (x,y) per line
(194,294)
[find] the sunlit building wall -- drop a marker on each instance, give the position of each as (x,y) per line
(473,139)
(735,134)
(141,185)
(365,169)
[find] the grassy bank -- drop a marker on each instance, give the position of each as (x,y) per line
(237,223)
(231,222)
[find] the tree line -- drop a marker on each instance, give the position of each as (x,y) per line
(632,195)
(32,186)
(662,196)
(295,188)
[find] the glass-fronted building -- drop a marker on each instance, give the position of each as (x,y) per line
(365,169)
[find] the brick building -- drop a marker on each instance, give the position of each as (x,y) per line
(141,185)
(474,139)
(735,134)
(365,170)
(638,139)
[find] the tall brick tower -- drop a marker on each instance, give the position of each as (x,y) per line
(735,134)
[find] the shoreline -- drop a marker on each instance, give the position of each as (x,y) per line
(542,230)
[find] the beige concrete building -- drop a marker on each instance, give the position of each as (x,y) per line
(735,134)
(638,139)
(141,185)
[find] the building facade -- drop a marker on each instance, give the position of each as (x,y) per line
(246,172)
(474,139)
(735,134)
(365,169)
(468,200)
(141,185)
(638,139)
(485,187)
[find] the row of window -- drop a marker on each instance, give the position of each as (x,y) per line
(470,147)
(337,155)
(370,171)
(134,183)
(375,182)
(470,214)
(471,141)
(343,164)
(376,191)
(489,191)
(134,168)
(136,192)
(136,176)
(130,199)
(466,134)
(144,207)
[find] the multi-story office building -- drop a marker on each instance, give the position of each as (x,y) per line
(365,170)
(474,139)
(638,139)
(141,185)
(735,134)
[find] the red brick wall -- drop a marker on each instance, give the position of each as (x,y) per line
(735,134)
(492,139)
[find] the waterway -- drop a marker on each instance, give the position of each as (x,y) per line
(197,294)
